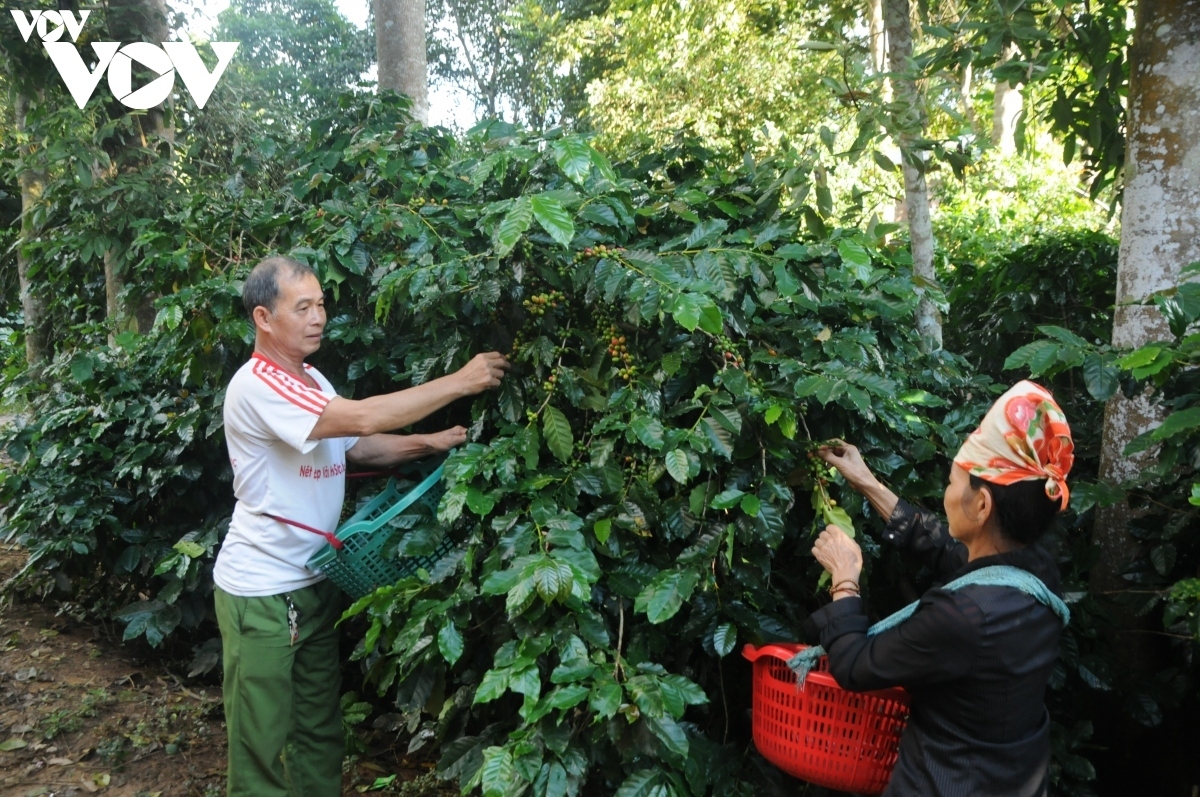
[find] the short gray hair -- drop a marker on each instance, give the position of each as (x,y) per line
(261,288)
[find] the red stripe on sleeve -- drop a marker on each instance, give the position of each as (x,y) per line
(310,400)
(301,390)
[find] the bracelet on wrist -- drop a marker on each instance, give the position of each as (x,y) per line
(838,586)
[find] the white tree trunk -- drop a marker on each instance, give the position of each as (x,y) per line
(892,210)
(908,120)
(1160,231)
(964,94)
(1006,107)
(879,43)
(33,306)
(400,50)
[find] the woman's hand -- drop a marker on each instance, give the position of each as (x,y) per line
(849,463)
(841,555)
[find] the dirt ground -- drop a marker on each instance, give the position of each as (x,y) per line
(80,715)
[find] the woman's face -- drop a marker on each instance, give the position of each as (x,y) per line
(963,505)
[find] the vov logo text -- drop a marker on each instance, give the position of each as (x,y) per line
(117,61)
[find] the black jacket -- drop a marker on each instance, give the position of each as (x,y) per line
(975,661)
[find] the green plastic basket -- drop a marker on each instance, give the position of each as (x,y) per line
(361,566)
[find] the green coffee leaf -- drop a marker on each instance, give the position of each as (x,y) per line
(493,685)
(605,700)
(450,643)
(648,430)
(452,503)
(479,502)
(573,157)
(553,217)
(727,499)
(188,548)
(519,217)
(724,639)
(839,517)
(1177,422)
(1101,378)
(720,438)
(686,311)
(664,596)
(553,580)
(498,772)
(677,466)
(557,431)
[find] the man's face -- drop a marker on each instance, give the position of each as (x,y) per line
(299,317)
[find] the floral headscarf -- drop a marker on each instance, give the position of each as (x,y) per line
(1024,436)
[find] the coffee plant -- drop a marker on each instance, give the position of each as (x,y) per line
(635,501)
(627,510)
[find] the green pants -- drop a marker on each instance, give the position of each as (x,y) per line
(282,705)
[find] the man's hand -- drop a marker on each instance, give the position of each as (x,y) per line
(446,439)
(379,414)
(484,372)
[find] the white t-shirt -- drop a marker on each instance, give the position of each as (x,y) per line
(277,470)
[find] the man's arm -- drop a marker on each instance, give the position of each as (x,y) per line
(348,418)
(386,450)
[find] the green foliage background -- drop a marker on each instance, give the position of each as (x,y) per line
(636,501)
(601,515)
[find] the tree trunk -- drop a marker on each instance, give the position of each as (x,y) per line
(893,210)
(1006,107)
(964,95)
(1160,234)
(129,21)
(908,122)
(400,51)
(144,20)
(33,306)
(879,44)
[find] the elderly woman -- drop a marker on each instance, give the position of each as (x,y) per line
(976,653)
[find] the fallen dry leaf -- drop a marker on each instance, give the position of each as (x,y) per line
(96,782)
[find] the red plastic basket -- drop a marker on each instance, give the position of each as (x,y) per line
(824,734)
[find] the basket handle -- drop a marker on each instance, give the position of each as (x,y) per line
(433,478)
(781,651)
